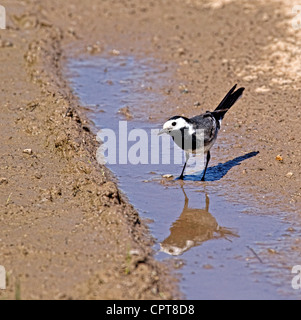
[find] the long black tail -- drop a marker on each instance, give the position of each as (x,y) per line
(229,100)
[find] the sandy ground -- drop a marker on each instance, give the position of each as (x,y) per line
(66,231)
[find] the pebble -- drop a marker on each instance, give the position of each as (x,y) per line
(115,52)
(3,181)
(28,151)
(186,91)
(208,267)
(5,44)
(181,51)
(134,252)
(291,229)
(38,176)
(263,89)
(168,176)
(126,112)
(289,174)
(279,158)
(250,78)
(265,17)
(95,48)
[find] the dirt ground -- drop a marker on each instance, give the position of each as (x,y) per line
(66,232)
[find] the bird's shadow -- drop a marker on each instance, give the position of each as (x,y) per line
(216,173)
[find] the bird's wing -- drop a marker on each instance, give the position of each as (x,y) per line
(208,123)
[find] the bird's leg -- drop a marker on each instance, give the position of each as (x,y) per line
(182,174)
(207,163)
(186,199)
(207,202)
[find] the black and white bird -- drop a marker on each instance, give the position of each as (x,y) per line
(184,131)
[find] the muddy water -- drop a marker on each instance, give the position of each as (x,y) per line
(225,249)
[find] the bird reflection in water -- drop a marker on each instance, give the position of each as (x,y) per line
(194,227)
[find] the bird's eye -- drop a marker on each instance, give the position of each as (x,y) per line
(174,124)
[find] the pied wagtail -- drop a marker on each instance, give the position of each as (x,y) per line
(184,130)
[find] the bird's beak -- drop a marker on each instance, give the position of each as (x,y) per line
(163,131)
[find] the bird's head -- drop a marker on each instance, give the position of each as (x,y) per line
(175,125)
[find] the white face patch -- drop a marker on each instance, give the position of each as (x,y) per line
(178,124)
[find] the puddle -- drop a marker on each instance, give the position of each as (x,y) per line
(227,251)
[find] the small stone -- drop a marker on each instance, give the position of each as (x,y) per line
(155,291)
(38,176)
(28,151)
(291,230)
(5,44)
(72,31)
(115,52)
(289,174)
(126,112)
(168,176)
(182,88)
(3,181)
(250,78)
(208,267)
(134,253)
(181,51)
(279,158)
(262,89)
(272,251)
(95,48)
(265,17)
(178,264)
